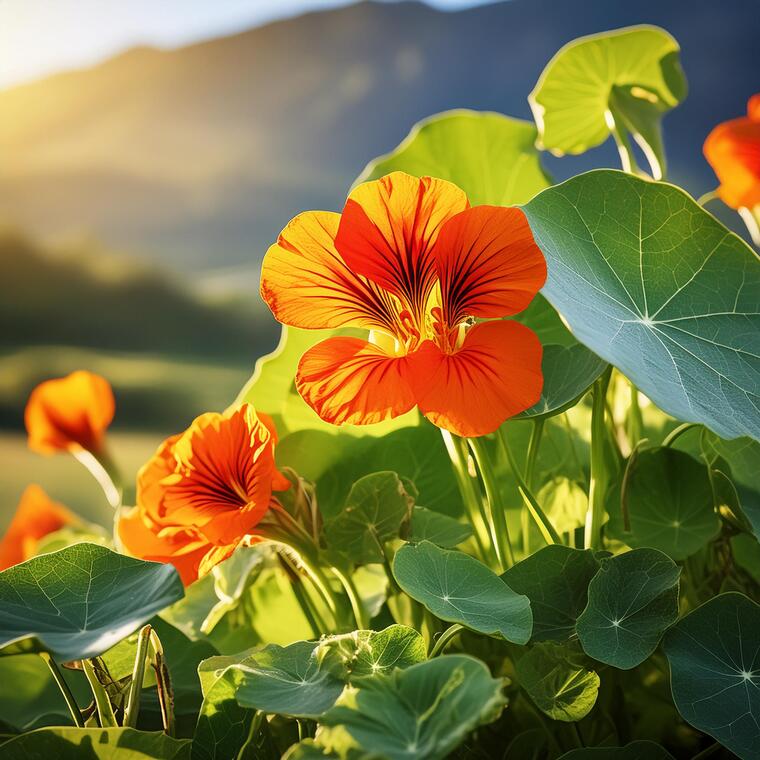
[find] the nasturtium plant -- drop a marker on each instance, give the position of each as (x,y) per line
(571,575)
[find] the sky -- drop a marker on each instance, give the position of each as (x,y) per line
(41,37)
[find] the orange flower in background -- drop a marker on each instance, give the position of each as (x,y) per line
(204,491)
(37,515)
(411,262)
(69,413)
(733,151)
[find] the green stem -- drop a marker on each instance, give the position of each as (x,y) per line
(132,704)
(353,596)
(708,751)
(313,618)
(542,521)
(71,703)
(444,639)
(635,420)
(497,509)
(705,198)
(473,504)
(530,466)
(598,482)
(627,159)
(253,729)
(675,434)
(102,701)
(163,684)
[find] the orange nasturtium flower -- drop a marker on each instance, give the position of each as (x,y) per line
(733,151)
(410,261)
(69,413)
(204,491)
(36,516)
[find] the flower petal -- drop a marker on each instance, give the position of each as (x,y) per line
(351,381)
(306,283)
(489,264)
(388,228)
(733,151)
(36,516)
(493,376)
(71,411)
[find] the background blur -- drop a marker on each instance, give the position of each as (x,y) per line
(150,152)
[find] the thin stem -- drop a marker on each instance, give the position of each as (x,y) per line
(533,445)
(751,218)
(705,198)
(132,704)
(675,434)
(708,751)
(253,729)
(542,521)
(627,159)
(444,639)
(100,471)
(313,618)
(102,701)
(353,596)
(473,504)
(163,684)
(635,420)
(598,483)
(498,512)
(71,703)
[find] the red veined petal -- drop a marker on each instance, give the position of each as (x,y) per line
(351,381)
(388,228)
(489,263)
(493,376)
(306,283)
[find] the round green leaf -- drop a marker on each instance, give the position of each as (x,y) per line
(558,681)
(77,602)
(425,711)
(285,680)
(652,283)
(639,750)
(569,371)
(632,601)
(365,653)
(493,158)
(441,530)
(670,504)
(626,78)
(556,580)
(96,744)
(714,656)
(376,507)
(457,588)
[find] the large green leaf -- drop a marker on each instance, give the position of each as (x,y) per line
(656,286)
(556,580)
(558,680)
(365,653)
(493,158)
(632,601)
(457,588)
(286,680)
(80,601)
(638,750)
(714,656)
(376,507)
(569,371)
(421,713)
(670,504)
(95,744)
(625,79)
(441,530)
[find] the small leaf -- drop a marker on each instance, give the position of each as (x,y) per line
(96,744)
(558,681)
(565,503)
(376,508)
(714,655)
(285,680)
(425,711)
(556,580)
(78,602)
(365,653)
(569,371)
(655,285)
(632,601)
(493,158)
(632,75)
(457,588)
(670,503)
(441,530)
(638,750)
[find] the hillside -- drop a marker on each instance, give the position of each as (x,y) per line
(196,157)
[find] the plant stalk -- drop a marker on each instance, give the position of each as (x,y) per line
(132,705)
(444,639)
(102,700)
(598,483)
(71,703)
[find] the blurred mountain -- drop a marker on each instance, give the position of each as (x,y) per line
(197,157)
